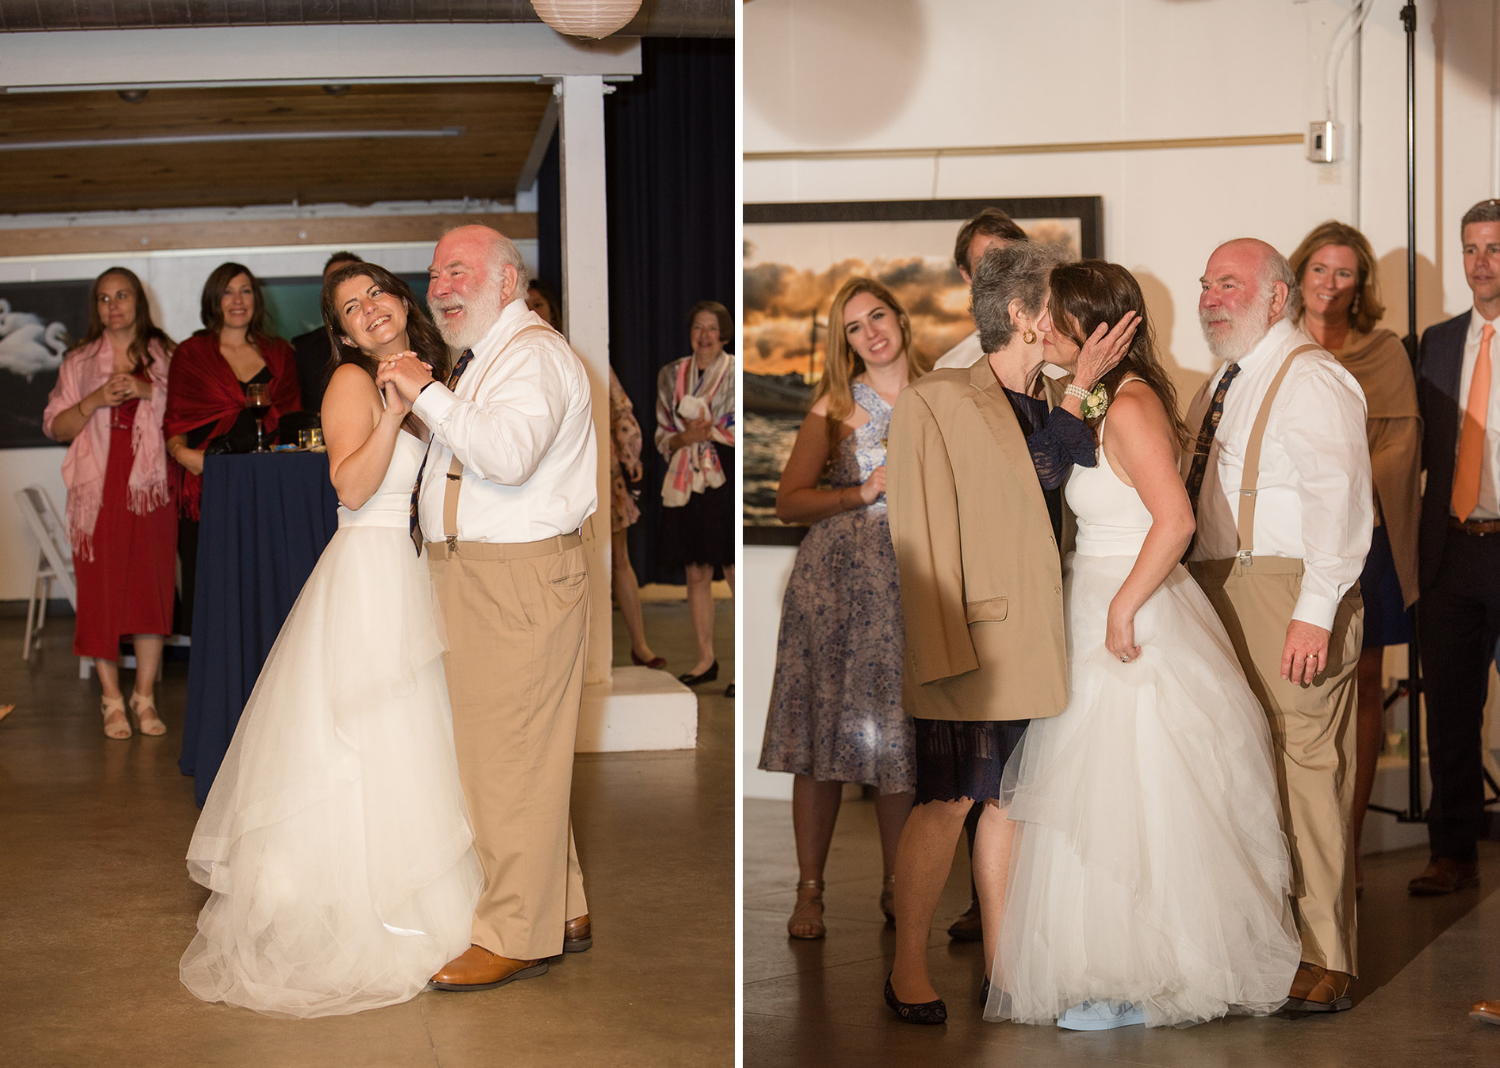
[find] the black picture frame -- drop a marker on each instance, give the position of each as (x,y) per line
(1087,210)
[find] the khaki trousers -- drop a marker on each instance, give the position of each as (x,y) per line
(1312,733)
(517,618)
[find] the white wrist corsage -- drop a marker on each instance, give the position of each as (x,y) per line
(1094,404)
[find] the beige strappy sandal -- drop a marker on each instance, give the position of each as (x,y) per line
(144,707)
(802,916)
(116,723)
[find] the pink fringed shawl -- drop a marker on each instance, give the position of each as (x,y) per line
(694,468)
(84,370)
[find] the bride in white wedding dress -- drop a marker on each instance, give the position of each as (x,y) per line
(1150,876)
(336,840)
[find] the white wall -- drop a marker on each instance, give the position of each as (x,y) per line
(911,74)
(174,282)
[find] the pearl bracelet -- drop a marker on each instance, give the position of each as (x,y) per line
(1075,390)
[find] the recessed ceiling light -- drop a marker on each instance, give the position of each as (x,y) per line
(335,90)
(133,96)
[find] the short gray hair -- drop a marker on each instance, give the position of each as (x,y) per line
(1483,212)
(504,252)
(1017,272)
(1277,269)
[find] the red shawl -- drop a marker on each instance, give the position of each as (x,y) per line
(202,389)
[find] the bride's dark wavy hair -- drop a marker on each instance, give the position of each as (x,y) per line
(1090,292)
(425,340)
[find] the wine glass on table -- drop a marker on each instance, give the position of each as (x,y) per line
(258,399)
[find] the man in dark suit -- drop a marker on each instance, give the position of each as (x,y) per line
(315,351)
(1458,615)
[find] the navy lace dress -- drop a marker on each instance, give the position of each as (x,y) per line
(836,710)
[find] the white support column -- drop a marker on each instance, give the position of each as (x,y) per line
(629,708)
(585,298)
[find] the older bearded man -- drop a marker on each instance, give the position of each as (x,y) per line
(513,434)
(1280,482)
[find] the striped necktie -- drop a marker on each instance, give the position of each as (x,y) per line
(1205,442)
(416,490)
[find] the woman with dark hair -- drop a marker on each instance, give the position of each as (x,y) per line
(1150,876)
(336,840)
(835,713)
(624,457)
(109,400)
(1340,309)
(211,375)
(695,433)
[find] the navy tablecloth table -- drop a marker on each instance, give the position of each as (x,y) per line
(265,521)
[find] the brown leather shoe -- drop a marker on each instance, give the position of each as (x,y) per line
(1486,1012)
(1443,876)
(969,927)
(1318,989)
(479,969)
(577,935)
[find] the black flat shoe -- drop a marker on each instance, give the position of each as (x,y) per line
(984,992)
(729,691)
(929,1012)
(708,676)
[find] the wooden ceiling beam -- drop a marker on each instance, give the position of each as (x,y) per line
(243,233)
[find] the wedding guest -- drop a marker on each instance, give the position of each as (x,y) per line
(624,458)
(1279,479)
(315,352)
(1340,307)
(991,228)
(211,375)
(974,467)
(836,713)
(109,401)
(1460,555)
(508,482)
(695,433)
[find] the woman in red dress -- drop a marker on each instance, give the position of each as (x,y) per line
(206,398)
(109,400)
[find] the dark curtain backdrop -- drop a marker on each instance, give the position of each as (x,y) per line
(670,162)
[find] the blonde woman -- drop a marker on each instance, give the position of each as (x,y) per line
(836,712)
(1340,307)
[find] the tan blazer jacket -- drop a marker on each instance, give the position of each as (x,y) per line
(981,574)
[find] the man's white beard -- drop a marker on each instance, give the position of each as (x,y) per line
(480,314)
(1245,331)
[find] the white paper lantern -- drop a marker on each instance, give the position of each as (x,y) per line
(586,18)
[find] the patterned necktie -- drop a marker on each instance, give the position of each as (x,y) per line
(416,490)
(1471,438)
(1206,437)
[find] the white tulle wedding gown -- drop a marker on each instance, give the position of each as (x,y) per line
(1149,865)
(336,839)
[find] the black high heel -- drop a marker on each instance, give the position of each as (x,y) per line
(708,676)
(928,1012)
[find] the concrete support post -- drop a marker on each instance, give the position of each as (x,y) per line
(585,301)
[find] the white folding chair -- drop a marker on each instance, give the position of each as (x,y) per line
(54,563)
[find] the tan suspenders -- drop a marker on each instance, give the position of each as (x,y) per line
(1245,534)
(456,469)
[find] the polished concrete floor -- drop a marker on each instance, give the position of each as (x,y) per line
(1423,962)
(97,907)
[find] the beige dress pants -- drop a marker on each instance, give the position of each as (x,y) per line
(517,617)
(1312,733)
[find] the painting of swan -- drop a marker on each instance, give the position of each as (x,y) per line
(28,346)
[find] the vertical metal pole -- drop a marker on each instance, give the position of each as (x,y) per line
(1413,653)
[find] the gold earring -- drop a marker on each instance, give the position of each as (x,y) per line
(1029,336)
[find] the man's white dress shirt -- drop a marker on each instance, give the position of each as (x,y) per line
(520,423)
(966,353)
(1314,500)
(1489,464)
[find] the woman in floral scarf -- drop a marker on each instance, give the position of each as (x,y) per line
(695,432)
(109,400)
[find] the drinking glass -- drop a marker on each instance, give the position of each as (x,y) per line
(258,399)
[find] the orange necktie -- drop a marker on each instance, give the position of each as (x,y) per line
(1471,440)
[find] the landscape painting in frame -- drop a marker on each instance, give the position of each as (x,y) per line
(796,256)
